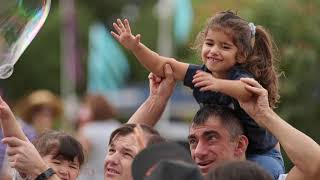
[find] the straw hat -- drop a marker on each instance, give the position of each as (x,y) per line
(38,99)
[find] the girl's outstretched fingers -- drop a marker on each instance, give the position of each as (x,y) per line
(121,26)
(117,28)
(127,25)
(116,36)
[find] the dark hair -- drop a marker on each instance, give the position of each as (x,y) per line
(226,115)
(100,107)
(59,144)
(257,49)
(238,170)
(153,136)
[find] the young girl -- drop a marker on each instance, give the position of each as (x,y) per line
(231,48)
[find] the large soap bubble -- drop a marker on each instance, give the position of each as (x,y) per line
(20,21)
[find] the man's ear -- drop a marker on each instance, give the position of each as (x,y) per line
(241,147)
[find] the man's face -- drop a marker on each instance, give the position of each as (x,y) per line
(211,144)
(119,158)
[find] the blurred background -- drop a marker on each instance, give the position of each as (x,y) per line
(74,54)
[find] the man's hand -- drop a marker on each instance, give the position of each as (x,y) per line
(124,35)
(23,156)
(5,111)
(258,105)
(151,110)
(162,87)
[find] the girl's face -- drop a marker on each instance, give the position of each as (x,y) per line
(218,53)
(65,169)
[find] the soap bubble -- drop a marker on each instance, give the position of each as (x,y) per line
(20,21)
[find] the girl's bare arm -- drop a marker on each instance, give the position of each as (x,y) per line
(148,58)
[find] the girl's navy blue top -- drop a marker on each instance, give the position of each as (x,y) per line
(260,140)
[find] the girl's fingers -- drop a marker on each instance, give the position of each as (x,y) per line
(116,36)
(198,74)
(201,78)
(127,26)
(201,84)
(202,74)
(205,88)
(121,26)
(117,28)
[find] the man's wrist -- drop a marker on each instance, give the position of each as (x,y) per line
(268,117)
(45,174)
(159,98)
(40,169)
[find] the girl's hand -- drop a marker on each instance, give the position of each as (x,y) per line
(124,35)
(205,81)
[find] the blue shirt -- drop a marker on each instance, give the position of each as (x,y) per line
(260,140)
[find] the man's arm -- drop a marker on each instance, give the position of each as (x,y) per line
(161,89)
(303,151)
(9,124)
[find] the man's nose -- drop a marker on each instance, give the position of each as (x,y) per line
(201,150)
(113,159)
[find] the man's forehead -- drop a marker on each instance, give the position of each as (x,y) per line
(213,125)
(211,122)
(126,142)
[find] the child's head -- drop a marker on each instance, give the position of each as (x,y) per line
(62,152)
(253,44)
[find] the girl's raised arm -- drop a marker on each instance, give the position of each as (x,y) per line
(148,58)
